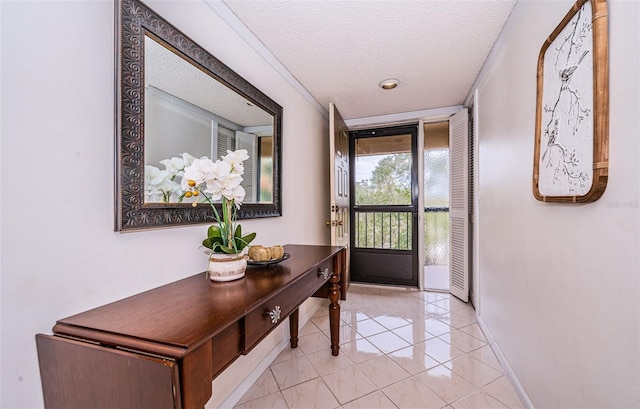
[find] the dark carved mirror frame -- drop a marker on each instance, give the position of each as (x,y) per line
(134,21)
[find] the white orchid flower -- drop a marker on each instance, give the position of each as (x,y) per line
(188,159)
(237,196)
(232,180)
(238,156)
(214,189)
(222,181)
(199,171)
(169,186)
(223,186)
(237,169)
(154,176)
(174,165)
(222,169)
(158,184)
(235,159)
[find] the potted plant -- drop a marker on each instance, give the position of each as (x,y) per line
(215,181)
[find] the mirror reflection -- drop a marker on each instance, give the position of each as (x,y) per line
(187,115)
(176,102)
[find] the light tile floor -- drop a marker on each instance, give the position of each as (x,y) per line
(436,277)
(399,348)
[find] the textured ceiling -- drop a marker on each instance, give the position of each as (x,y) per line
(339,50)
(168,72)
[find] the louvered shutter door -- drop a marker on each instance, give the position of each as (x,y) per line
(226,142)
(248,141)
(458,210)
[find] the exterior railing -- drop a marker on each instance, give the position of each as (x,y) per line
(391,229)
(384,228)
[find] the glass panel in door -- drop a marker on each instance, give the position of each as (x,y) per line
(436,205)
(384,206)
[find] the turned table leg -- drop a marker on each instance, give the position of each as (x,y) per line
(334,312)
(293,328)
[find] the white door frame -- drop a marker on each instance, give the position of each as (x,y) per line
(475,275)
(421,255)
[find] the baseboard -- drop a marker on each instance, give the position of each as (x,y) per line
(385,286)
(237,394)
(524,399)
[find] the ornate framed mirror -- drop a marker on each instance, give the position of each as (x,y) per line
(175,101)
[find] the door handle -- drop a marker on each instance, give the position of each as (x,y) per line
(334,223)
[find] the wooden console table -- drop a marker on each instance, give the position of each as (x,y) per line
(163,348)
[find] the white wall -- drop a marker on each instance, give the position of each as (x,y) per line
(60,255)
(559,283)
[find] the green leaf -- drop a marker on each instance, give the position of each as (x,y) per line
(210,242)
(214,231)
(248,238)
(242,242)
(228,250)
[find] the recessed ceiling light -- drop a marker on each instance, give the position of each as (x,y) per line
(389,83)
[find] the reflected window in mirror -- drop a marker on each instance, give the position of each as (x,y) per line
(190,115)
(265,178)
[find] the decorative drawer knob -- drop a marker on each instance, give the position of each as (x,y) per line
(274,314)
(324,273)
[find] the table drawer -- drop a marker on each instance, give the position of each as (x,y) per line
(261,321)
(226,347)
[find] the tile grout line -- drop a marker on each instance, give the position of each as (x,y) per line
(422,300)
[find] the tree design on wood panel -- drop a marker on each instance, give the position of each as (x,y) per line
(566,155)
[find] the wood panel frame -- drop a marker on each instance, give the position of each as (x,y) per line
(600,137)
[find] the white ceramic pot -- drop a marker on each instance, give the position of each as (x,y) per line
(227,267)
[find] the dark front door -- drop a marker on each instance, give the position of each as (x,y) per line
(384,203)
